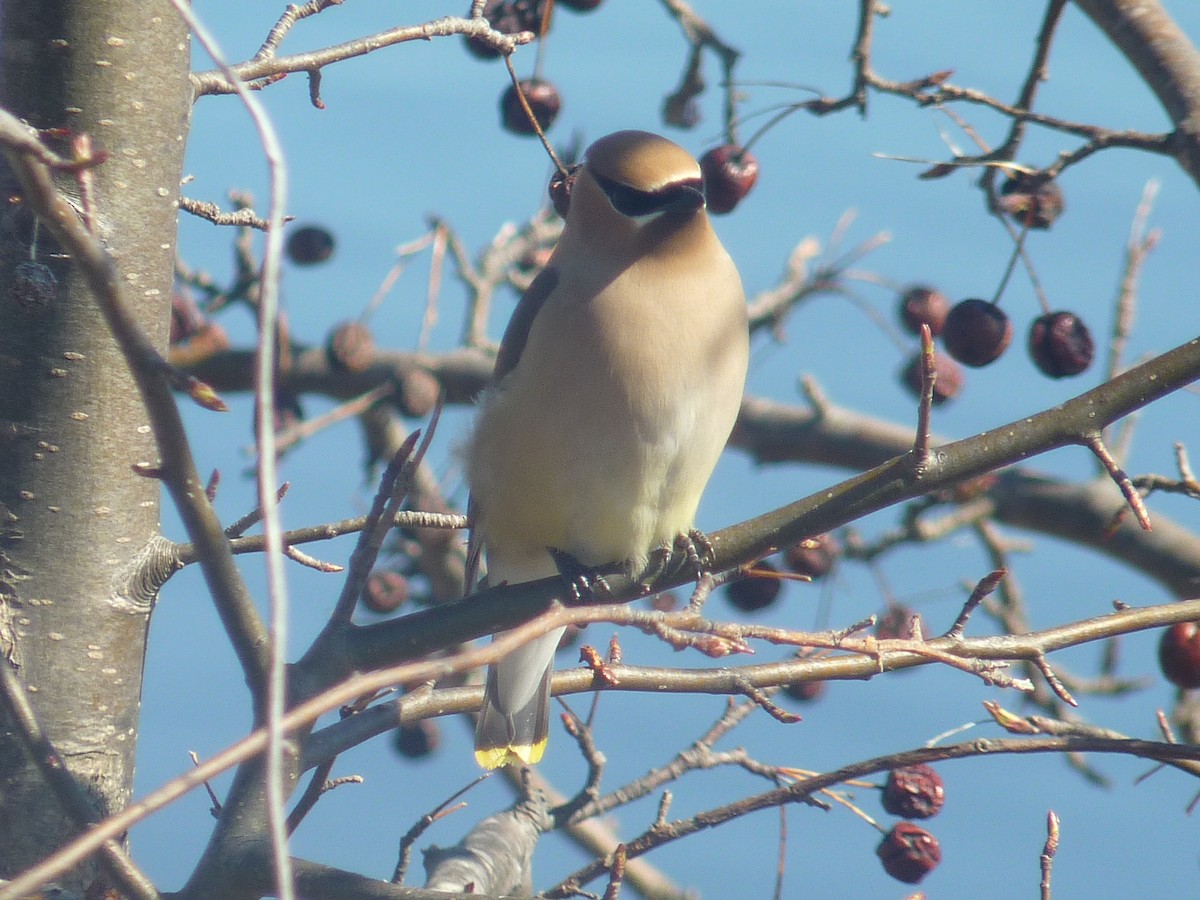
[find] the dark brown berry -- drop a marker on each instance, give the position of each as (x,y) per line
(896,623)
(386,591)
(976,332)
(309,245)
(729,174)
(544,102)
(804,691)
(417,739)
(913,792)
(32,285)
(351,347)
(580,5)
(947,381)
(1179,654)
(560,189)
(754,592)
(1060,344)
(909,852)
(1033,199)
(507,17)
(667,601)
(923,305)
(813,557)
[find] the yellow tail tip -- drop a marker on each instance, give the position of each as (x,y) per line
(512,755)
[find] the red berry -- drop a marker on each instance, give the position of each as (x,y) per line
(418,393)
(923,305)
(729,174)
(813,557)
(948,376)
(976,332)
(1033,199)
(561,184)
(417,739)
(753,593)
(914,792)
(544,101)
(1179,654)
(1061,344)
(385,592)
(909,852)
(804,691)
(309,245)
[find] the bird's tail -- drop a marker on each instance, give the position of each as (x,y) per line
(515,720)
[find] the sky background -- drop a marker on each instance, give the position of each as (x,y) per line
(414,130)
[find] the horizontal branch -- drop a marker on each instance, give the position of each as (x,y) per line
(267,67)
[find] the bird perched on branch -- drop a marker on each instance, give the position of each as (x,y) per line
(616,387)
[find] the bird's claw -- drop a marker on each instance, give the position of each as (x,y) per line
(697,552)
(583,582)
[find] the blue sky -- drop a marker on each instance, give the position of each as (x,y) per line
(413,130)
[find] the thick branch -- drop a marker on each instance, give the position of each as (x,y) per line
(1165,58)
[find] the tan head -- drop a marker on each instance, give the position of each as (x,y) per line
(635,186)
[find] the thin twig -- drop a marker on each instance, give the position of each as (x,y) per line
(268,323)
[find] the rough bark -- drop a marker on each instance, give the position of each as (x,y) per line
(74,518)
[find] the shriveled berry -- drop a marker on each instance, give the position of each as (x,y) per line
(32,285)
(351,347)
(909,852)
(1033,199)
(813,557)
(1061,344)
(914,792)
(1179,654)
(729,174)
(947,381)
(309,245)
(544,102)
(976,332)
(754,592)
(804,691)
(896,623)
(681,110)
(386,591)
(560,189)
(417,740)
(923,305)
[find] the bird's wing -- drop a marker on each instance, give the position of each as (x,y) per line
(517,332)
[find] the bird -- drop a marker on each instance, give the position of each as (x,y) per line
(617,383)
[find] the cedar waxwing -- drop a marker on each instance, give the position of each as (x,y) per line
(616,387)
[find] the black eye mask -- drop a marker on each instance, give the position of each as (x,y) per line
(632,202)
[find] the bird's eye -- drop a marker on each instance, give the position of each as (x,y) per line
(634,203)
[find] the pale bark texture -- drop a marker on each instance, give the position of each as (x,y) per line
(74,518)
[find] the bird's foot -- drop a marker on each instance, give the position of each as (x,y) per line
(697,552)
(584,582)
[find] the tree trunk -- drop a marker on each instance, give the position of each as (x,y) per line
(74,518)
